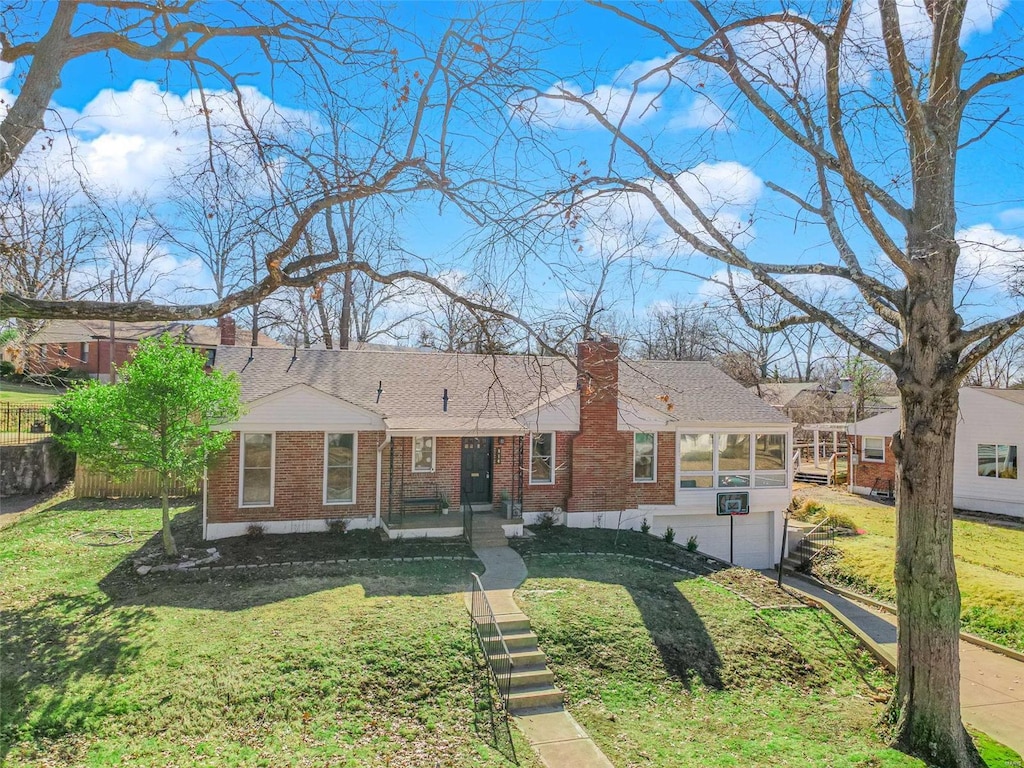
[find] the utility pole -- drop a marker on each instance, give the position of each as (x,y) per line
(113,370)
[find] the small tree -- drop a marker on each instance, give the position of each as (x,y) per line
(159,415)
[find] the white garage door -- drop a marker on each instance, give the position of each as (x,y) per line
(751,537)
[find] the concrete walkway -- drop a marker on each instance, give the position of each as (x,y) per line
(991,685)
(556,737)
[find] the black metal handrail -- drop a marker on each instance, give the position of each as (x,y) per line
(815,540)
(492,642)
(467,515)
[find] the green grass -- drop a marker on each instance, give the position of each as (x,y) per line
(27,394)
(669,672)
(369,664)
(989,565)
(373,663)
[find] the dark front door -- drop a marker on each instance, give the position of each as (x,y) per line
(476,469)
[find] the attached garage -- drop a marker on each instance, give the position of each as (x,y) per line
(753,542)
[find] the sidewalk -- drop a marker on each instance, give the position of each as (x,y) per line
(991,685)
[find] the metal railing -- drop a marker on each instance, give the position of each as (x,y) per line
(20,424)
(467,515)
(815,540)
(492,642)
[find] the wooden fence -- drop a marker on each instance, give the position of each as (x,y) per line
(91,484)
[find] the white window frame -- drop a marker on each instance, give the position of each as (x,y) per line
(433,453)
(241,468)
(864,449)
(654,459)
(554,440)
(355,469)
(995,457)
(769,477)
(85,352)
(716,472)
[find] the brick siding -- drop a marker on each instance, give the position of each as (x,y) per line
(865,473)
(298,481)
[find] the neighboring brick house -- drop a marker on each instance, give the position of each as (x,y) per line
(374,437)
(989,438)
(84,346)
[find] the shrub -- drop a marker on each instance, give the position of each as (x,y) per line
(547,521)
(645,527)
(255,531)
(691,544)
(338,526)
(670,535)
(813,511)
(7,369)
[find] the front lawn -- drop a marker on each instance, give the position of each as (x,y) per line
(27,394)
(363,664)
(989,565)
(670,671)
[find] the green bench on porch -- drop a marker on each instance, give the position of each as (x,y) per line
(424,501)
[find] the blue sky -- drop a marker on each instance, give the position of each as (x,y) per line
(123,137)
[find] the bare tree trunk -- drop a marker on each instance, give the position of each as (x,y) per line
(348,296)
(255,325)
(325,322)
(928,684)
(345,323)
(169,546)
(928,722)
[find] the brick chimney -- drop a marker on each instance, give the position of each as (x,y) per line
(227,330)
(600,460)
(598,371)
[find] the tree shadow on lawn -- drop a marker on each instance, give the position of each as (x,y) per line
(687,650)
(69,647)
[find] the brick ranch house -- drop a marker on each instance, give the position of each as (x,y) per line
(376,437)
(84,346)
(989,437)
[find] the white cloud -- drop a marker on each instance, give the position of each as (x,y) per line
(624,223)
(992,255)
(1012,217)
(702,114)
(560,108)
(979,17)
(138,139)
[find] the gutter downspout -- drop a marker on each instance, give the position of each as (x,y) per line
(380,460)
(205,494)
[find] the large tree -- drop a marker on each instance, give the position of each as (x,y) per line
(422,112)
(161,415)
(867,110)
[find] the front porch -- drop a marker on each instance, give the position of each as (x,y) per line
(432,485)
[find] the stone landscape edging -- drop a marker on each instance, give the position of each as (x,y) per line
(249,566)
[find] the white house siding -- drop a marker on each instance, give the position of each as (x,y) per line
(987,419)
(301,408)
(754,535)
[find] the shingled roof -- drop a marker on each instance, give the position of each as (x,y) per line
(485,389)
(194,334)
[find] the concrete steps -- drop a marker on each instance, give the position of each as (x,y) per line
(531,683)
(813,478)
(487,530)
